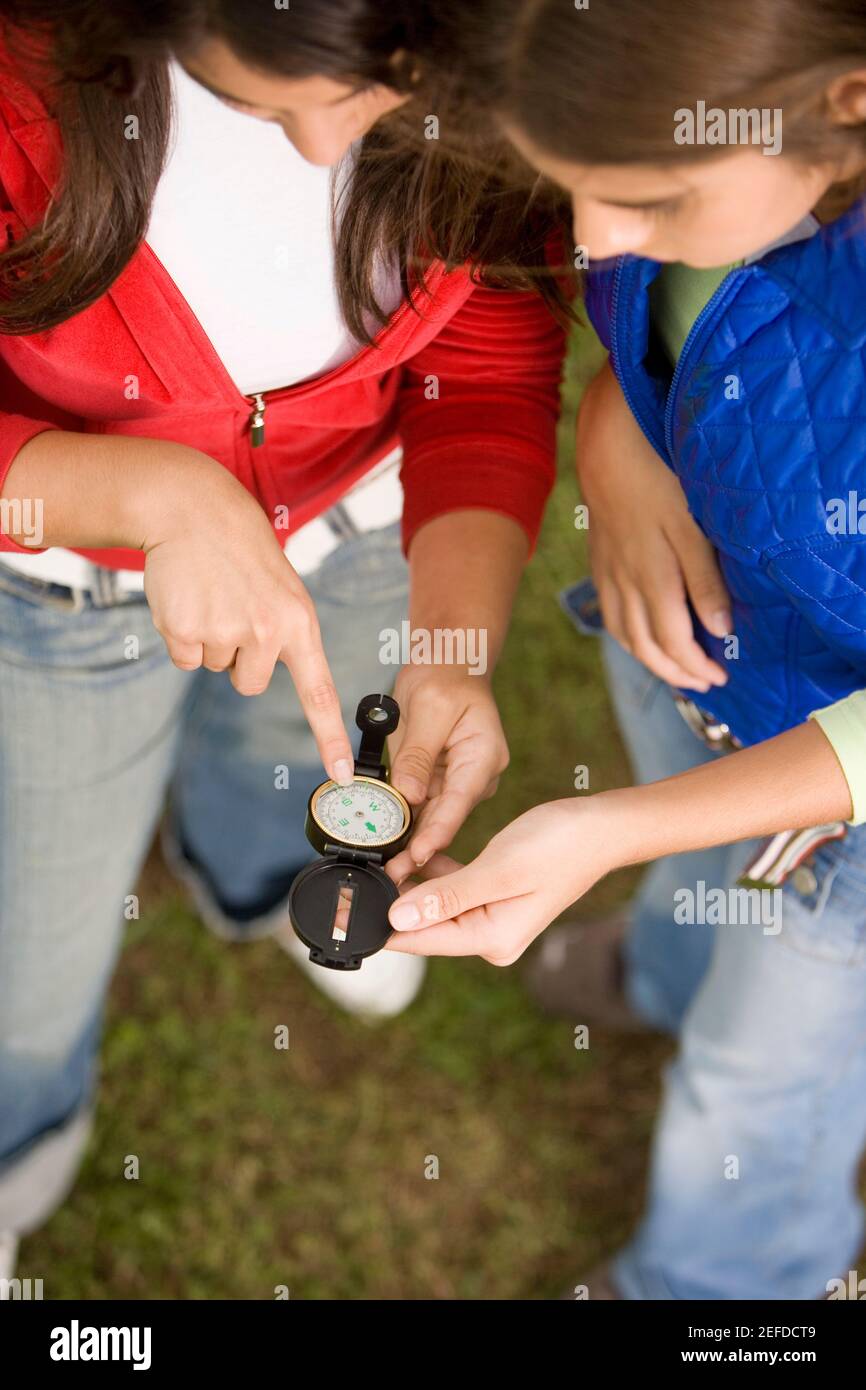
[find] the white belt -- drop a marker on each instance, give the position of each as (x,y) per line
(374,502)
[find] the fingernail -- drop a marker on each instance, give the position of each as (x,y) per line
(343,772)
(404,916)
(411,787)
(722,623)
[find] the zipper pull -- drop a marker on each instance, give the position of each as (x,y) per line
(257,422)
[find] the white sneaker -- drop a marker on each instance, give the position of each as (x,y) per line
(8,1259)
(385,985)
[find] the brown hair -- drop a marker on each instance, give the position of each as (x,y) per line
(601,85)
(411,198)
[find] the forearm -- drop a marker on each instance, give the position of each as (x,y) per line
(787,783)
(464,571)
(97,490)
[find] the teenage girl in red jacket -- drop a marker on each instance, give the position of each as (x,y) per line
(215,338)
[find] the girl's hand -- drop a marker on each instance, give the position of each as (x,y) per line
(448,753)
(648,556)
(224,596)
(497,905)
(534,868)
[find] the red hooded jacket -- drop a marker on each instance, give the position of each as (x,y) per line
(469,384)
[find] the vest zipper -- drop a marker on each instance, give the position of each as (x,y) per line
(257,421)
(647,423)
(708,309)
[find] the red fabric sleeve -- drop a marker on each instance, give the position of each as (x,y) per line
(15,432)
(478,411)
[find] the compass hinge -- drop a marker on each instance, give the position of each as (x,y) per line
(364,858)
(365,768)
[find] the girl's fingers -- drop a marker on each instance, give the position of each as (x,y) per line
(656,627)
(673,631)
(403,866)
(446,815)
(469,937)
(218,657)
(463,788)
(706,588)
(438,866)
(611,607)
(309,669)
(427,729)
(643,646)
(445,898)
(490,790)
(187,656)
(253,669)
(670,619)
(498,935)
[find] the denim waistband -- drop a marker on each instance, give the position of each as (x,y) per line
(103,592)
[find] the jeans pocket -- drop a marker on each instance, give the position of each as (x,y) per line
(41,627)
(579,602)
(637,689)
(824,903)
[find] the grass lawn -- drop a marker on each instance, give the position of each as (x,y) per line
(306,1167)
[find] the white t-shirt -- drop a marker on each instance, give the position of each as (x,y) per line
(243,225)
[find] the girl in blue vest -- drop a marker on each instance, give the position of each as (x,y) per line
(715,156)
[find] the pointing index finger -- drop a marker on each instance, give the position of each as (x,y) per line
(317,693)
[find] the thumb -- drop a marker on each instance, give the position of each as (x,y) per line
(419,749)
(442,899)
(704,583)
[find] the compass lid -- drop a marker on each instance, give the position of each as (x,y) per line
(339,909)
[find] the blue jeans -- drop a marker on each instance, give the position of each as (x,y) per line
(752,1189)
(95,731)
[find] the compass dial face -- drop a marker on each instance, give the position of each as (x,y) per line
(367,813)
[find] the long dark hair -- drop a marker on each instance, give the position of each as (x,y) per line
(601,85)
(419,200)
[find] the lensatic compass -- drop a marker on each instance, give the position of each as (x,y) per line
(339,905)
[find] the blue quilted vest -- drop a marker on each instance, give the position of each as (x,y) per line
(764,424)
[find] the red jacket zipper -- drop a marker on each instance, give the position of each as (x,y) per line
(256,416)
(257,421)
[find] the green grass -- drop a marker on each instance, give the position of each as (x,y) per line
(305,1167)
